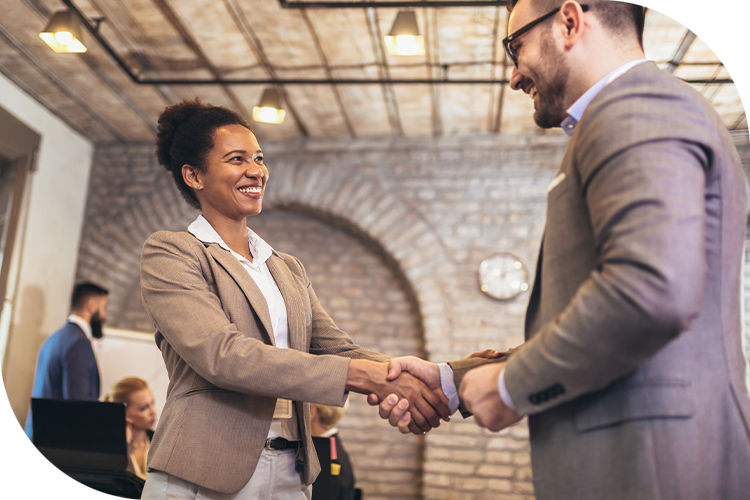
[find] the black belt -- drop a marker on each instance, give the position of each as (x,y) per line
(282,444)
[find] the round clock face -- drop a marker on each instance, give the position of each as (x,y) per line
(503,276)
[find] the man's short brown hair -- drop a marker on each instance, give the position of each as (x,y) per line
(620,18)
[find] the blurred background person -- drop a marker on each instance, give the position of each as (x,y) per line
(140,417)
(66,367)
(336,478)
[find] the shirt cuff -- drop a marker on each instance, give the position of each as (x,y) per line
(449,386)
(503,390)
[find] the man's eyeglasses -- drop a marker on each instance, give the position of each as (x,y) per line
(513,36)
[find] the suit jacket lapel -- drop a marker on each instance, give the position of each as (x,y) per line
(533,308)
(240,275)
(292,300)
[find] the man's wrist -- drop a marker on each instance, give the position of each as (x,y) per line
(448,386)
(503,390)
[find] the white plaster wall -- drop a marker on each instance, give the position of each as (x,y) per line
(127,353)
(48,245)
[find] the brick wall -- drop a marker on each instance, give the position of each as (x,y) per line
(413,216)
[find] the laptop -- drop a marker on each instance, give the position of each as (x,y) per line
(86,435)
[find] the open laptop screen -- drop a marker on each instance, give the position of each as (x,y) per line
(80,434)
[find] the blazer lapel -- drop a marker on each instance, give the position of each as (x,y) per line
(533,307)
(240,275)
(292,300)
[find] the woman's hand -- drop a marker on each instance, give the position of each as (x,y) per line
(425,405)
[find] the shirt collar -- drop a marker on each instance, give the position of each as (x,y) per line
(575,112)
(330,432)
(204,231)
(85,326)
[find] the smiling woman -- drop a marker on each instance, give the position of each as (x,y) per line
(242,333)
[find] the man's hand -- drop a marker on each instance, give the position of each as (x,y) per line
(487,353)
(480,394)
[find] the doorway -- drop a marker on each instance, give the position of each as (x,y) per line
(18,147)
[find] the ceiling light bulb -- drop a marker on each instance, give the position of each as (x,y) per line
(64,33)
(404,38)
(407,44)
(76,46)
(268,114)
(269,108)
(64,37)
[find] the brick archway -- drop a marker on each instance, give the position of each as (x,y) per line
(131,199)
(365,208)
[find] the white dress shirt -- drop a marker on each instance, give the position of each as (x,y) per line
(258,271)
(575,112)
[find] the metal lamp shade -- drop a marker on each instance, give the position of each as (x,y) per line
(63,33)
(404,38)
(269,108)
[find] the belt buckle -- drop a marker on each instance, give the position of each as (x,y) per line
(268,444)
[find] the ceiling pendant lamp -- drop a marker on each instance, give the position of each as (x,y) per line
(63,33)
(269,108)
(404,38)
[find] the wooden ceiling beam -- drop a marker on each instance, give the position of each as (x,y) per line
(432,55)
(739,121)
(682,49)
(501,98)
(257,47)
(167,11)
(29,56)
(169,96)
(329,75)
(90,61)
(388,94)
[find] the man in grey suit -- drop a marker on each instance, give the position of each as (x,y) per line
(632,374)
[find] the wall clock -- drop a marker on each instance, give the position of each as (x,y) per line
(503,276)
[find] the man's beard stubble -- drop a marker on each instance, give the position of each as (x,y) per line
(552,110)
(96,326)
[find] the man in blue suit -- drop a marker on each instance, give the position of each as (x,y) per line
(66,367)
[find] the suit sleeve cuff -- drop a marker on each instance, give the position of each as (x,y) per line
(503,390)
(448,386)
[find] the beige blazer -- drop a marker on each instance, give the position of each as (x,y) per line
(214,332)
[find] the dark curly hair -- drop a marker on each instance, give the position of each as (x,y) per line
(185,135)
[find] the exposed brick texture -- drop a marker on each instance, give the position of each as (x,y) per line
(413,217)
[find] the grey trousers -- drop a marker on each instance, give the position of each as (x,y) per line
(275,478)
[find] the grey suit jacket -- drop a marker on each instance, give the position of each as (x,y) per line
(633,372)
(214,332)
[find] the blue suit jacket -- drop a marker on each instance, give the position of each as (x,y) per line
(66,368)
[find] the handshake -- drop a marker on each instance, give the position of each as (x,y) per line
(411,396)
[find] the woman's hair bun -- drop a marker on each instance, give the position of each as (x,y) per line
(170,120)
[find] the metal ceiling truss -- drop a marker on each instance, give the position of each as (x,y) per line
(93,25)
(302,4)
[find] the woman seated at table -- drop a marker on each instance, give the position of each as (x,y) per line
(140,417)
